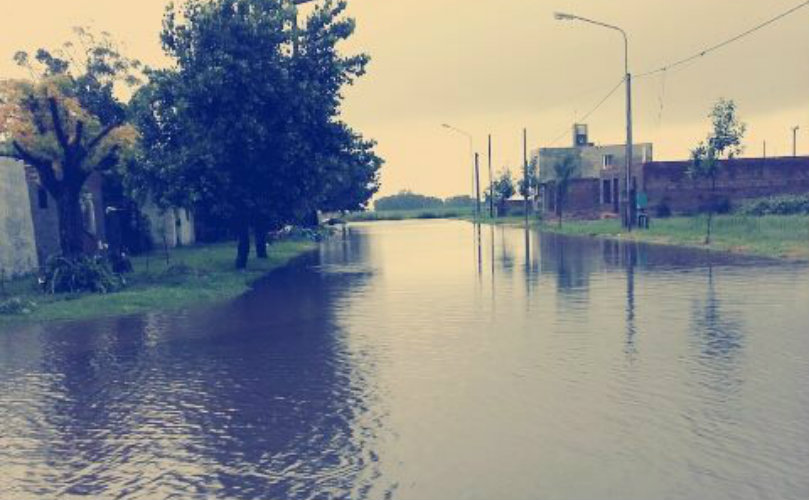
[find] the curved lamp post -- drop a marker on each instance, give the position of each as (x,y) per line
(471,158)
(627,209)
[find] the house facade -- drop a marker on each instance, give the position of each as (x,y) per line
(29,220)
(591,191)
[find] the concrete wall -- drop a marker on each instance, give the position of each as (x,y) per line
(581,201)
(18,253)
(176,225)
(591,158)
(668,183)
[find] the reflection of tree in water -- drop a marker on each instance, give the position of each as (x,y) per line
(262,398)
(720,342)
(720,337)
(573,260)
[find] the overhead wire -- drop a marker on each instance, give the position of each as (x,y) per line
(720,45)
(593,109)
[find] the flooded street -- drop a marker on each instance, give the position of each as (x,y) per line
(431,360)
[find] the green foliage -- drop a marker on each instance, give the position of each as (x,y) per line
(407,200)
(532,180)
(79,274)
(724,140)
(459,201)
(67,122)
(728,131)
(197,275)
(503,188)
(564,170)
(777,205)
(777,236)
(247,122)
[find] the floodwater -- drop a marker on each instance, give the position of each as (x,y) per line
(429,360)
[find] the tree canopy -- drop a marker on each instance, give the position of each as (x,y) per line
(247,122)
(66,123)
(407,200)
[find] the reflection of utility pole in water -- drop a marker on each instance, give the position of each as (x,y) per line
(491,250)
(630,256)
(491,181)
(480,252)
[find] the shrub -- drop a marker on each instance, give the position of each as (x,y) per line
(80,274)
(663,210)
(722,205)
(16,305)
(777,205)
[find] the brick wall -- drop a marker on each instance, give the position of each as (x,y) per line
(582,199)
(668,183)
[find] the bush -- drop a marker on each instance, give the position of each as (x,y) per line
(80,274)
(663,210)
(16,305)
(777,205)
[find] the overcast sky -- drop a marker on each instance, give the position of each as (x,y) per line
(496,66)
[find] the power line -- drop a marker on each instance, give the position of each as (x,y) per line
(594,109)
(726,42)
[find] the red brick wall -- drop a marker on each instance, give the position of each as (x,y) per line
(668,183)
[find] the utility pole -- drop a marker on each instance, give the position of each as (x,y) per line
(628,206)
(525,173)
(795,140)
(477,186)
(491,181)
(765,149)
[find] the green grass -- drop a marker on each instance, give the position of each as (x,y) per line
(193,275)
(777,236)
(422,213)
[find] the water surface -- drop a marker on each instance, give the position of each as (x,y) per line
(431,360)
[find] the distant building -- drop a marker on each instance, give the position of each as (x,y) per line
(599,185)
(173,227)
(588,193)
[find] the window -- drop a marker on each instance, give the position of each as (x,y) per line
(42,198)
(608,161)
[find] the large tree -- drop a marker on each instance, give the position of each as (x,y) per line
(66,122)
(246,122)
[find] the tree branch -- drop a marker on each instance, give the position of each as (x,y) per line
(44,167)
(109,160)
(100,137)
(79,133)
(57,125)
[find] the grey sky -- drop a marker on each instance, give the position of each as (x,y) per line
(496,66)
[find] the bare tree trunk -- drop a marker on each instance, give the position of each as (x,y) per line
(708,232)
(711,207)
(260,234)
(71,223)
(243,250)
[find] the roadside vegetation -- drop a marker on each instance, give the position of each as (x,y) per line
(183,277)
(776,236)
(416,213)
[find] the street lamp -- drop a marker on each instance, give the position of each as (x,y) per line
(471,158)
(295,29)
(627,215)
(795,140)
